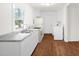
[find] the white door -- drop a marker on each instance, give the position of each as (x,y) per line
(47,25)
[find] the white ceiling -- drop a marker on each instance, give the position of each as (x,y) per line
(56,6)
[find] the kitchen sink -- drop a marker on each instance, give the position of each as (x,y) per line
(36,28)
(26,31)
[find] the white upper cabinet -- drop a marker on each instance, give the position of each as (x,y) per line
(38,22)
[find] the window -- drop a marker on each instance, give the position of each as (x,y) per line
(18,17)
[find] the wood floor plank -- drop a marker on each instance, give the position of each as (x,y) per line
(51,47)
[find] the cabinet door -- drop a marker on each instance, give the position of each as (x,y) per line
(9,49)
(36,36)
(28,45)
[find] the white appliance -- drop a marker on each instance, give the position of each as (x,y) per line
(58,33)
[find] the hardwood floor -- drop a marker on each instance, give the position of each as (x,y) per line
(50,47)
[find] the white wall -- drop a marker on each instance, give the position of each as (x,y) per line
(60,15)
(5,18)
(49,20)
(28,15)
(36,12)
(73,22)
(65,21)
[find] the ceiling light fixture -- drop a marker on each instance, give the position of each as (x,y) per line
(47,4)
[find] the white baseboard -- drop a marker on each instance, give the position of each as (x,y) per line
(66,41)
(73,40)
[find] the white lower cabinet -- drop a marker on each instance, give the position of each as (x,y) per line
(22,48)
(29,44)
(10,49)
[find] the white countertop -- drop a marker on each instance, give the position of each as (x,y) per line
(14,37)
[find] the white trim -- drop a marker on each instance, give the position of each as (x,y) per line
(66,40)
